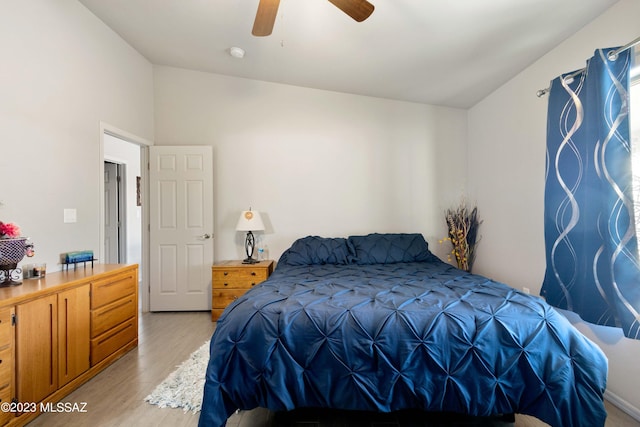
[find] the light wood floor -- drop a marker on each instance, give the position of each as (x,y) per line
(115,396)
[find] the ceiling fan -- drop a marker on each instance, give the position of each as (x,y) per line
(359,10)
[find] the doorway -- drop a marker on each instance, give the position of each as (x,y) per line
(122,234)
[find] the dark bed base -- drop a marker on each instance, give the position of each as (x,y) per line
(413,418)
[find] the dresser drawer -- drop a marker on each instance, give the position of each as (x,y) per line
(6,331)
(110,315)
(5,396)
(107,343)
(6,367)
(110,289)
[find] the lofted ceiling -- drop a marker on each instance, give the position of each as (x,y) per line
(447,52)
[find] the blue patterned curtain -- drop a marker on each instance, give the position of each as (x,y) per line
(591,246)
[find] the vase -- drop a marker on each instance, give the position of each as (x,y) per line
(11,253)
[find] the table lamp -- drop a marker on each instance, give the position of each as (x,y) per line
(250,221)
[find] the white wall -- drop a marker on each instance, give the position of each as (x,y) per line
(63,72)
(506,175)
(314,162)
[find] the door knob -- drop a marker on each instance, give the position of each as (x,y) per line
(205,236)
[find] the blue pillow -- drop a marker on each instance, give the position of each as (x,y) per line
(389,248)
(313,250)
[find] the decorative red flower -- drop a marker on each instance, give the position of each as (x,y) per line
(9,230)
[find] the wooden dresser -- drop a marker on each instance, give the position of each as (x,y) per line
(59,331)
(7,352)
(231,279)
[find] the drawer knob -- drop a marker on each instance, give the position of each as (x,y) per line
(226,273)
(253,273)
(253,284)
(226,284)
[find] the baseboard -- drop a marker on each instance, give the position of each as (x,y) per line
(622,404)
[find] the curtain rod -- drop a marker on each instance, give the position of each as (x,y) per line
(612,55)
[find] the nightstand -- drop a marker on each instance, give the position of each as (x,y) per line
(231,279)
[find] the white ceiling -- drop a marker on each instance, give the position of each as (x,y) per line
(447,52)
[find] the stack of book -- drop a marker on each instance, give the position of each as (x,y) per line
(78,256)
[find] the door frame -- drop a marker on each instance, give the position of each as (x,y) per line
(106,128)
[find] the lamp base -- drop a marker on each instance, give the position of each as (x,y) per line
(249,245)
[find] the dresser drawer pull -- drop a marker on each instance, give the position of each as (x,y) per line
(226,273)
(226,284)
(123,303)
(253,273)
(253,284)
(115,282)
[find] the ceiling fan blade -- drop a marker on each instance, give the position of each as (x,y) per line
(265,17)
(357,9)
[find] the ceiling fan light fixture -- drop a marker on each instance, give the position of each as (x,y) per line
(358,10)
(236,52)
(265,17)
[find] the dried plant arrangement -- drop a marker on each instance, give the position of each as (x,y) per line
(463,225)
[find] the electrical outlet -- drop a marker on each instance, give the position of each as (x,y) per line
(526,290)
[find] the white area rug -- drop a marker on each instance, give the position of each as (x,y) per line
(183,388)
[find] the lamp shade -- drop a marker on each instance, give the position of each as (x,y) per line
(250,221)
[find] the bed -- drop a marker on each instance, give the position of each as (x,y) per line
(378,323)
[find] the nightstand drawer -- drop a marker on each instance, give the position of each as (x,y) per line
(231,279)
(230,283)
(224,297)
(240,276)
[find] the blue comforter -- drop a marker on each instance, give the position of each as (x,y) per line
(387,337)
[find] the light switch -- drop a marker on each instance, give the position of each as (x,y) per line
(70,215)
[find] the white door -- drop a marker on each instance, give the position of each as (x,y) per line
(181,227)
